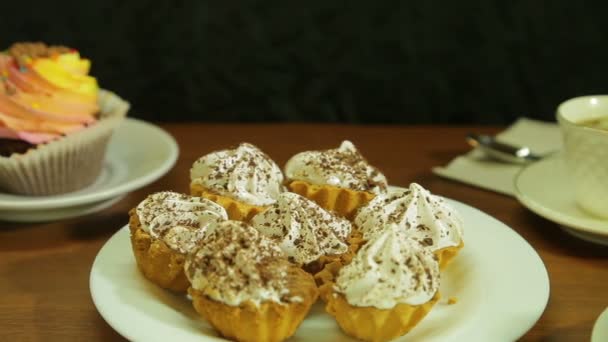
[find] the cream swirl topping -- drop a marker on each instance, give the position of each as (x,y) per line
(343,167)
(303,229)
(236,264)
(389,270)
(423,216)
(245,173)
(179,220)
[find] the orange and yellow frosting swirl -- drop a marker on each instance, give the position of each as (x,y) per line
(45,92)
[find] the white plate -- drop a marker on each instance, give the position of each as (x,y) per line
(138,154)
(500,282)
(45,215)
(600,329)
(544,188)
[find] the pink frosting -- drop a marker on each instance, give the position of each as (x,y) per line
(32,138)
(35,110)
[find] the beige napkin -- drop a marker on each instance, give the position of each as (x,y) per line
(475,168)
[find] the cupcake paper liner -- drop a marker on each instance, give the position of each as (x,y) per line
(69,163)
(344,202)
(236,210)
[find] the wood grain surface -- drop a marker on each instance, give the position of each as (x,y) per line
(44,267)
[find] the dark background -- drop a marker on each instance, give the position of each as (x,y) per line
(390,61)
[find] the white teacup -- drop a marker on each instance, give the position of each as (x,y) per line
(586,151)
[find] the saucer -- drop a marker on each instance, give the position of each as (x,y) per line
(544,188)
(138,154)
(54,214)
(600,329)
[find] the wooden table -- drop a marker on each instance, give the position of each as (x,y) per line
(44,268)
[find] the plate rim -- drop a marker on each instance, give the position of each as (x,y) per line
(33,216)
(540,210)
(543,281)
(597,328)
(52,202)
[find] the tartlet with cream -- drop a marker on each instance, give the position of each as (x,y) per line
(340,180)
(243,284)
(309,235)
(387,289)
(422,216)
(244,180)
(165,227)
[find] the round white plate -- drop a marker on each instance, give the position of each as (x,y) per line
(544,188)
(500,282)
(138,154)
(600,329)
(45,215)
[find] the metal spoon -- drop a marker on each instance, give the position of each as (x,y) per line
(502,151)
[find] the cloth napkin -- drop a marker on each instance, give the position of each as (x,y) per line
(475,168)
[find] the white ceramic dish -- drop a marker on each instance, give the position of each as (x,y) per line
(544,188)
(45,215)
(586,151)
(138,154)
(600,329)
(500,282)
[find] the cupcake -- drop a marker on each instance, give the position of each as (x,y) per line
(243,285)
(243,180)
(423,217)
(165,227)
(340,180)
(55,123)
(387,289)
(309,235)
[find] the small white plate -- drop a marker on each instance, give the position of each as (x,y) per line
(138,154)
(54,214)
(500,282)
(544,188)
(600,329)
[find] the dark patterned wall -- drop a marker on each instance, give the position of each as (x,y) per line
(318,60)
